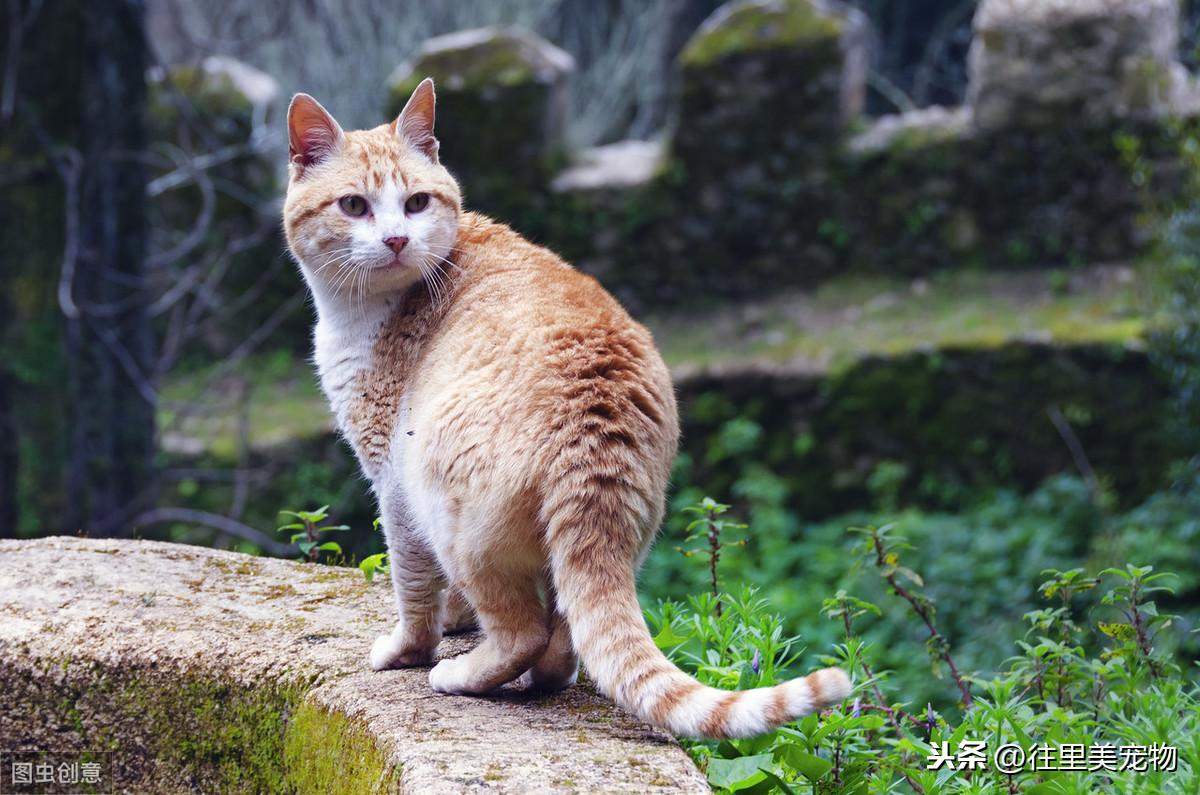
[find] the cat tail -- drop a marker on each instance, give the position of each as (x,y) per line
(592,559)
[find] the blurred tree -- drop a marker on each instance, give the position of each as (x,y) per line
(73,211)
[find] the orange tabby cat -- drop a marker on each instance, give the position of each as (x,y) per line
(517,426)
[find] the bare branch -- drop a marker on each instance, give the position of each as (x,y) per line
(217,522)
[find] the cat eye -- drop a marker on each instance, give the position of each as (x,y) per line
(355,206)
(416,203)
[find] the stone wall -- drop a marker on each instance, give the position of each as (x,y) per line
(773,178)
(195,670)
(951,421)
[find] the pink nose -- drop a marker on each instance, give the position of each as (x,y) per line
(396,244)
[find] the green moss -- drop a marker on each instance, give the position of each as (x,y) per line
(845,320)
(246,568)
(498,61)
(219,735)
(222,733)
(754,27)
(1147,83)
(330,754)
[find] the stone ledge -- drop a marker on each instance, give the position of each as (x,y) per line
(210,670)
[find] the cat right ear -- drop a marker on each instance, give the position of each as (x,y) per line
(414,125)
(313,134)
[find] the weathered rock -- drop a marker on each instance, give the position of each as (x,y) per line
(213,671)
(502,103)
(1066,61)
(928,191)
(767,80)
(623,165)
(764,188)
(767,88)
(954,419)
(926,125)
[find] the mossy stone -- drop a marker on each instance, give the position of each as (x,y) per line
(750,26)
(957,420)
(501,115)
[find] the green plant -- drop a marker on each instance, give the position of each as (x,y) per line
(374,563)
(1104,693)
(308,529)
(708,526)
(883,548)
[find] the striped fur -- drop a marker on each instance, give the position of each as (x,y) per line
(517,426)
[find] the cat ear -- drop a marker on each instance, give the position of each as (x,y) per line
(313,134)
(414,125)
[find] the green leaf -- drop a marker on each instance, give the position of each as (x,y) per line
(747,679)
(667,639)
(331,546)
(373,563)
(910,575)
(737,773)
(305,546)
(811,766)
(1117,631)
(779,783)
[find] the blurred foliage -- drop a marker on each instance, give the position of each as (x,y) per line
(1065,682)
(981,566)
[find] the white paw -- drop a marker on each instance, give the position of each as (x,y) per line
(397,651)
(448,676)
(383,653)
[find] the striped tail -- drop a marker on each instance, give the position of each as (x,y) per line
(595,589)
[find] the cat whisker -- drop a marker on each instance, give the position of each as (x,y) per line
(337,259)
(449,262)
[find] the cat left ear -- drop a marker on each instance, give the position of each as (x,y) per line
(414,125)
(313,134)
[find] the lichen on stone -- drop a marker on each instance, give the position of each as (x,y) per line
(752,25)
(329,754)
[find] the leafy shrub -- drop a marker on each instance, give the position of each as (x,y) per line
(1112,683)
(981,569)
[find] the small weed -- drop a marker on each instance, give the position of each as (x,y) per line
(307,531)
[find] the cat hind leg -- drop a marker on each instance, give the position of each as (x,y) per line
(513,619)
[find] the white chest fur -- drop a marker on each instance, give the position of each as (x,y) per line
(344,351)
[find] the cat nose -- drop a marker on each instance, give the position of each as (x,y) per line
(396,244)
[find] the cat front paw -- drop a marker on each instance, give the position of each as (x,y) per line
(397,651)
(450,676)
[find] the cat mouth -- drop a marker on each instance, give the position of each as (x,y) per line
(395,261)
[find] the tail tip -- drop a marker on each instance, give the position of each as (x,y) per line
(829,686)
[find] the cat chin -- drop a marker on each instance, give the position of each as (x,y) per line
(392,277)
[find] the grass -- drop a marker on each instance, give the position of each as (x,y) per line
(277,398)
(846,319)
(274,395)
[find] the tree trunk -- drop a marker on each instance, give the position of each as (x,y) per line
(72,224)
(109,338)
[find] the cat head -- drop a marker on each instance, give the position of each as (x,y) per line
(368,212)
